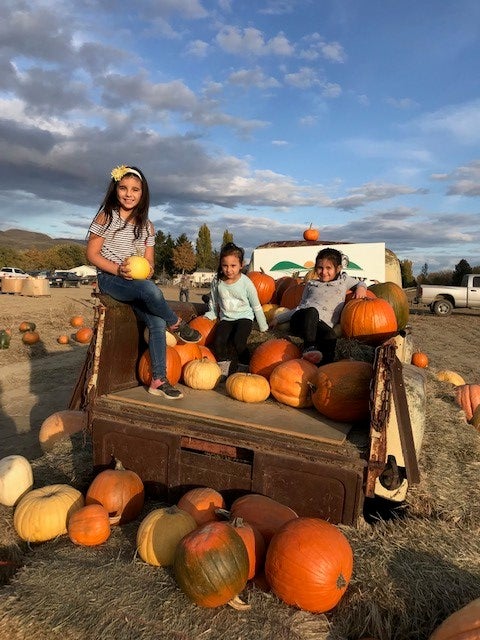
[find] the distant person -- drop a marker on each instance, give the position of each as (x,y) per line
(234,301)
(120,229)
(184,288)
(320,307)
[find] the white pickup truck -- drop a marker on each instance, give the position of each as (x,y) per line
(443,299)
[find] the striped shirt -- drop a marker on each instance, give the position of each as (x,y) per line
(119,239)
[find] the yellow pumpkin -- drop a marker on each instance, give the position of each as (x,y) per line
(43,514)
(160,532)
(248,387)
(16,478)
(59,426)
(169,337)
(201,374)
(139,267)
(450,376)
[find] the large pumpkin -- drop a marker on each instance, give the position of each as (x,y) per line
(254,543)
(292,295)
(468,398)
(463,624)
(206,327)
(309,564)
(368,320)
(211,564)
(201,374)
(202,504)
(450,376)
(89,526)
(16,478)
(120,491)
(247,387)
(290,382)
(265,514)
(281,285)
(42,514)
(173,366)
(188,351)
(342,390)
(160,532)
(59,426)
(397,297)
(271,353)
(264,284)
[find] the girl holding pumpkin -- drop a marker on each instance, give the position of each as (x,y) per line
(320,307)
(121,229)
(234,301)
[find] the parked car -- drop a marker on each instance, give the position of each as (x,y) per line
(12,272)
(64,279)
(443,299)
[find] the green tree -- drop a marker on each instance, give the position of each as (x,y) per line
(406,269)
(164,255)
(423,277)
(184,259)
(204,250)
(460,270)
(227,237)
(10,258)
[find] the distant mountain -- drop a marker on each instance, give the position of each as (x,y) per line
(21,240)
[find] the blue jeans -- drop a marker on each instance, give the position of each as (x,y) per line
(150,307)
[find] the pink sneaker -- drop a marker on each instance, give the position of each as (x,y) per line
(160,388)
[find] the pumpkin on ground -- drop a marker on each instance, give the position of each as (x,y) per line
(59,426)
(311,234)
(309,564)
(463,624)
(475,421)
(120,491)
(342,390)
(202,504)
(30,337)
(76,321)
(247,387)
(201,374)
(42,514)
(139,267)
(16,478)
(206,327)
(63,339)
(420,359)
(290,382)
(84,335)
(211,564)
(368,320)
(89,526)
(450,376)
(264,284)
(397,297)
(160,532)
(271,353)
(263,513)
(27,326)
(468,398)
(173,366)
(254,543)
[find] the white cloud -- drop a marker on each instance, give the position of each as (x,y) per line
(252,42)
(402,103)
(371,192)
(253,78)
(460,121)
(304,78)
(197,48)
(465,180)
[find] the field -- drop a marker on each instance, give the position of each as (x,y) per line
(410,573)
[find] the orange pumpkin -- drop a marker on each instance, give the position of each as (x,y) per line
(368,320)
(396,296)
(265,514)
(206,353)
(201,503)
(205,327)
(120,491)
(188,351)
(350,295)
(420,359)
(292,296)
(30,337)
(89,525)
(281,285)
(264,284)
(468,398)
(84,335)
(76,321)
(271,353)
(63,339)
(309,564)
(342,390)
(254,543)
(311,234)
(463,624)
(173,367)
(290,382)
(27,326)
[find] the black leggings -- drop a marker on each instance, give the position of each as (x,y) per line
(306,324)
(232,334)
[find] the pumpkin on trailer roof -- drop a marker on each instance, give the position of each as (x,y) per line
(271,353)
(281,285)
(368,320)
(173,366)
(201,374)
(292,295)
(311,234)
(309,564)
(16,478)
(290,382)
(206,327)
(160,532)
(247,387)
(264,284)
(397,297)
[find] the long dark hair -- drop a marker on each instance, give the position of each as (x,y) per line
(229,249)
(139,215)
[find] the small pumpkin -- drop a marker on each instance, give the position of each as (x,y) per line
(450,376)
(202,504)
(263,513)
(254,543)
(211,564)
(264,285)
(420,359)
(120,491)
(138,266)
(311,234)
(173,366)
(468,398)
(30,337)
(463,624)
(201,374)
(269,311)
(271,353)
(42,514)
(76,321)
(290,382)
(89,526)
(368,320)
(63,339)
(247,387)
(309,564)
(160,532)
(59,426)
(206,327)
(27,326)
(16,478)
(84,335)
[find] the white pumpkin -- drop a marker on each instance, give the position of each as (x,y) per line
(16,478)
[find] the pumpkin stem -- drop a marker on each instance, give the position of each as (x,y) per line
(341,582)
(238,604)
(118,465)
(313,387)
(223,513)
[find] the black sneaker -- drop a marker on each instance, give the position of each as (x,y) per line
(164,389)
(187,334)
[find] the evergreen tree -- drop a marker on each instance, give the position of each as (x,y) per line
(164,255)
(460,270)
(423,277)
(205,258)
(227,237)
(406,269)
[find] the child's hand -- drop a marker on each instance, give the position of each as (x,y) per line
(124,270)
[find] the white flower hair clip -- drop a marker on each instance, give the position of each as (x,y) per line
(118,172)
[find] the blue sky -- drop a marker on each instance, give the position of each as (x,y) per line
(362,117)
